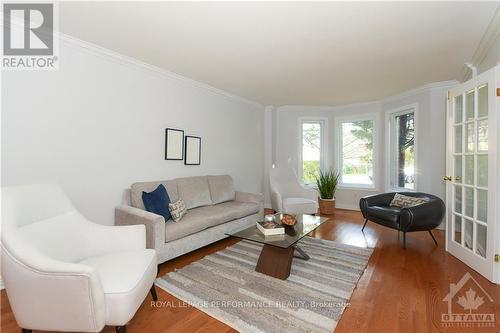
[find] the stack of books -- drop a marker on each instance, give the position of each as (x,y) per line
(270,228)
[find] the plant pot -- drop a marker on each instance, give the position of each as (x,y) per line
(326,206)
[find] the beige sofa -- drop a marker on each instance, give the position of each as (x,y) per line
(214,208)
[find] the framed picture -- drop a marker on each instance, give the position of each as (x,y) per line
(174,144)
(192,150)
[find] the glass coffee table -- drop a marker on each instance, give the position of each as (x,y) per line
(278,251)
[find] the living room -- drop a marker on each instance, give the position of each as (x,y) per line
(144,142)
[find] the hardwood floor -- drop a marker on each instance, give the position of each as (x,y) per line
(400,291)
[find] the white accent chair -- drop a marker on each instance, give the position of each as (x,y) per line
(288,195)
(65,273)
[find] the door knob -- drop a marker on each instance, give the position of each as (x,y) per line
(458,178)
(447,178)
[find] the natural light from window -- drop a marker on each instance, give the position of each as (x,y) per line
(357,153)
(311,151)
(402,145)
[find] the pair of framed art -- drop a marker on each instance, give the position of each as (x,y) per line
(182,147)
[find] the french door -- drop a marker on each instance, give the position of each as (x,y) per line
(472,179)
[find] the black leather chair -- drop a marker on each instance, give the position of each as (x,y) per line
(424,217)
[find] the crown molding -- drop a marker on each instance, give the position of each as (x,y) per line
(379,102)
(489,40)
(130,61)
(420,89)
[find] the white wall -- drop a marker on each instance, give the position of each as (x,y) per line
(98,124)
(431,102)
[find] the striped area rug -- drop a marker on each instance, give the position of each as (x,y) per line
(226,286)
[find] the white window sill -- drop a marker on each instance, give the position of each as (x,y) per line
(356,187)
(401,189)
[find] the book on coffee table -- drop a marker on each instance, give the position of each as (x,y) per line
(269,228)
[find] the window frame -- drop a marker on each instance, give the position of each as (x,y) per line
(389,138)
(323,122)
(374,117)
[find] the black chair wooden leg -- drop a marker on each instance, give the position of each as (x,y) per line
(121,329)
(364,225)
(404,240)
(153,293)
(25,330)
(434,239)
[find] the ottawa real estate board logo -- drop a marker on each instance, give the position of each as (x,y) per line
(28,36)
(468,305)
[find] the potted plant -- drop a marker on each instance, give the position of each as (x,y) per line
(327,185)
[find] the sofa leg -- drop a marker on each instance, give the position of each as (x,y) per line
(153,293)
(404,240)
(364,225)
(25,330)
(434,239)
(121,329)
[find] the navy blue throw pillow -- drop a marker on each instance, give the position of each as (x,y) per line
(157,202)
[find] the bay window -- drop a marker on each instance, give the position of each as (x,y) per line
(401,168)
(356,157)
(311,159)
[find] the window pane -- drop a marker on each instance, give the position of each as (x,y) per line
(469,170)
(458,139)
(458,109)
(357,152)
(482,205)
(469,229)
(458,199)
(458,229)
(482,170)
(482,135)
(458,169)
(469,105)
(311,151)
(481,240)
(403,152)
(469,202)
(469,137)
(482,101)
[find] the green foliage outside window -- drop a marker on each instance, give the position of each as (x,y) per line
(310,171)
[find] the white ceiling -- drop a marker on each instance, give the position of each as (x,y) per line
(291,53)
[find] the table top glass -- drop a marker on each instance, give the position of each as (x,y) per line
(305,224)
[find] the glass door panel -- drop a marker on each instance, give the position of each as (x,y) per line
(472,116)
(457,229)
(482,101)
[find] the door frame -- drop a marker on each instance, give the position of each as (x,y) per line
(493,239)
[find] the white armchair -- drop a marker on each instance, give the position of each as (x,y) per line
(65,273)
(288,195)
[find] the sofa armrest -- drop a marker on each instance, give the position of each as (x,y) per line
(425,216)
(256,198)
(155,224)
(383,199)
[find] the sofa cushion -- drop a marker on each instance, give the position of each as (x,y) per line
(157,202)
(121,271)
(137,188)
(238,209)
(201,218)
(385,215)
(300,206)
(126,278)
(194,191)
(221,188)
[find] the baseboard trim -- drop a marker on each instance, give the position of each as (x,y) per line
(347,206)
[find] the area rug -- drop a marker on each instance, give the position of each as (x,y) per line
(225,286)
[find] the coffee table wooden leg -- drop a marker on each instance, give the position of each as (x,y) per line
(275,261)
